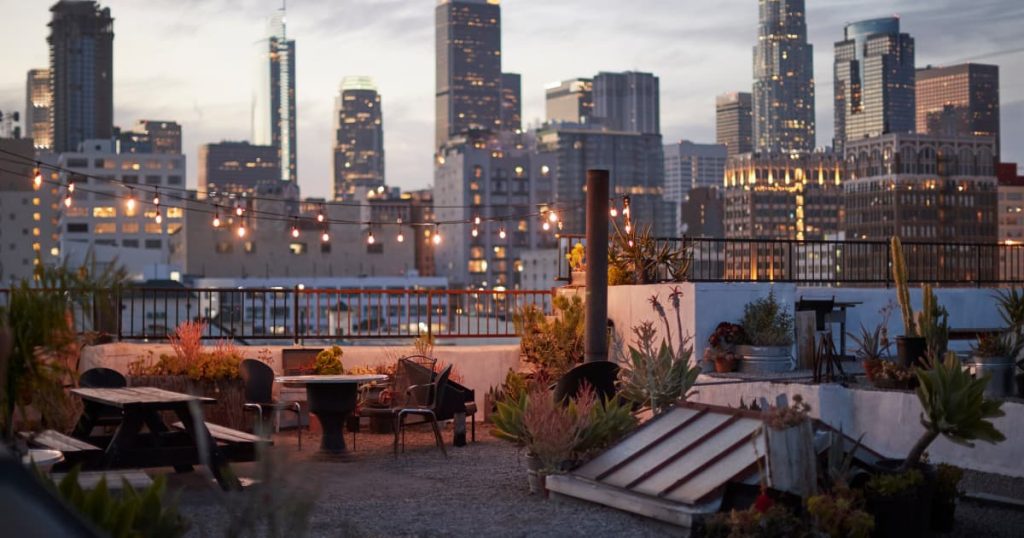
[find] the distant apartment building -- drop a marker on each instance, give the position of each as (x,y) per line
(273,107)
(468,56)
(28,216)
(511,102)
(100,219)
(688,166)
(82,73)
(358,138)
(734,122)
(873,81)
(540,268)
(958,100)
(925,188)
(702,213)
(421,210)
(236,167)
(635,162)
(38,107)
(496,178)
(783,92)
(570,101)
(783,196)
(150,136)
(269,248)
(1010,204)
(628,102)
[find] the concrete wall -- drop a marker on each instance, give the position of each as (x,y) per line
(480,366)
(889,420)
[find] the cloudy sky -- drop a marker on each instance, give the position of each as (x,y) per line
(191,60)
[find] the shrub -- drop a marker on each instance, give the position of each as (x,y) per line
(554,346)
(766,323)
(328,362)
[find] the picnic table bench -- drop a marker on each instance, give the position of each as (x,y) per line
(75,451)
(238,445)
(160,446)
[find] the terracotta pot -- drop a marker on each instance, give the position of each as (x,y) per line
(725,365)
(870,368)
(535,477)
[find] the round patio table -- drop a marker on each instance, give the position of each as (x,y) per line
(332,398)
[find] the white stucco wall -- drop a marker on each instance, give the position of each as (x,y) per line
(480,366)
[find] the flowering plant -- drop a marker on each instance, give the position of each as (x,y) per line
(727,336)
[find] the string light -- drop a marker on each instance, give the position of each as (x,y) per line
(475,231)
(67,199)
(401,237)
(37,178)
(325,237)
(369,238)
(501,232)
(241,229)
(613,211)
(156,197)
(71,187)
(239,210)
(545,226)
(295,228)
(476,221)
(159,216)
(130,202)
(436,238)
(553,217)
(320,215)
(216,218)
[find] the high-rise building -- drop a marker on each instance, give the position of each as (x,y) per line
(38,106)
(150,136)
(958,100)
(783,79)
(82,73)
(511,102)
(236,167)
(101,224)
(874,81)
(689,166)
(702,213)
(494,177)
(734,122)
(468,41)
(273,106)
(1010,204)
(635,162)
(570,101)
(28,233)
(628,102)
(358,138)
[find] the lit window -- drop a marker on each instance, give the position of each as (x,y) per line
(104,212)
(175,212)
(130,227)
(297,248)
(153,228)
(105,228)
(37,217)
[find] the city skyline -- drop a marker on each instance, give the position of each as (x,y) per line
(695,57)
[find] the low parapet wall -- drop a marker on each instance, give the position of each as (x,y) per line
(480,366)
(889,420)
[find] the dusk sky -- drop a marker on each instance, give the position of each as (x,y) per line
(192,61)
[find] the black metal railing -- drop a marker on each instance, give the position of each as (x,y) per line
(837,263)
(297,314)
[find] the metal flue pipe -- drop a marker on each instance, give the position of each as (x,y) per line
(595,342)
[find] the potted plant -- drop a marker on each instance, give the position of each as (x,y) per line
(577,264)
(900,503)
(933,325)
(840,513)
(947,491)
(769,334)
(721,351)
(995,352)
(552,345)
(871,347)
(1011,309)
(911,346)
(890,375)
(328,362)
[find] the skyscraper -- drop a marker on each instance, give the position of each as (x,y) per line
(273,106)
(236,167)
(511,102)
(689,166)
(38,105)
(783,79)
(570,101)
(734,122)
(628,102)
(358,137)
(874,81)
(82,73)
(150,136)
(468,67)
(959,100)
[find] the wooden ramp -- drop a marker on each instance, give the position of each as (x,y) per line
(674,466)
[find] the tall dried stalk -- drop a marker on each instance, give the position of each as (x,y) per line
(187,342)
(554,431)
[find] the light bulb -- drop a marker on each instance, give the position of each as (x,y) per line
(239,211)
(369,238)
(159,217)
(501,232)
(325,237)
(545,226)
(401,237)
(37,180)
(436,238)
(67,200)
(628,228)
(295,232)
(475,231)
(156,199)
(553,217)
(71,187)
(216,221)
(130,203)
(320,215)
(241,230)
(476,220)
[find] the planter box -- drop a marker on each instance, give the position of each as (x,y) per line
(230,396)
(765,359)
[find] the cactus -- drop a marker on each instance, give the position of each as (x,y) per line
(899,276)
(933,324)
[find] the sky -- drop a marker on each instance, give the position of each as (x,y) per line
(192,61)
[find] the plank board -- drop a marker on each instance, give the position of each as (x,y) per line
(225,434)
(138,396)
(115,479)
(58,441)
(637,443)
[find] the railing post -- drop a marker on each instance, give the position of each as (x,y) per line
(120,309)
(977,275)
(295,315)
(430,314)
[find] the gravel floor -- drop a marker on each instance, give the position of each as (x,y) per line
(479,491)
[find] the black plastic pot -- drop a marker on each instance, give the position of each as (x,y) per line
(943,515)
(908,513)
(910,349)
(1020,385)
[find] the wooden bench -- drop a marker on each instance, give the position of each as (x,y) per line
(115,479)
(75,451)
(238,445)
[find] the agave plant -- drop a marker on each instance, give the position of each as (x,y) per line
(954,405)
(870,344)
(1011,308)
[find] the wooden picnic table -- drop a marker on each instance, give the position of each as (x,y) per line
(160,446)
